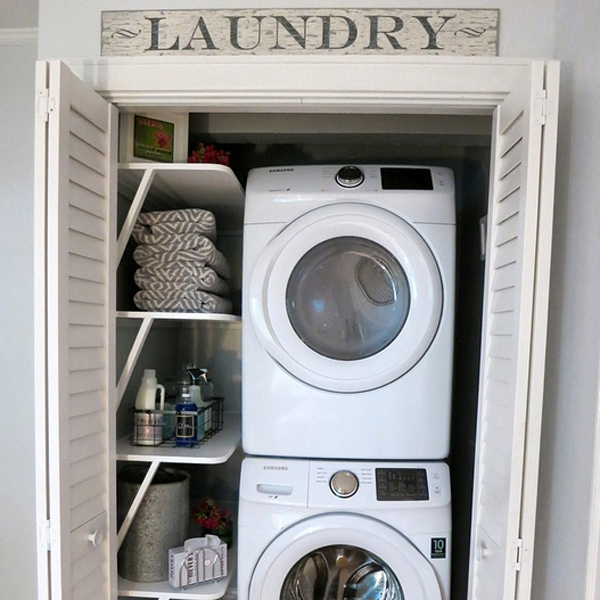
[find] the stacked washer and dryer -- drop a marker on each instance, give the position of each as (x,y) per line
(347,344)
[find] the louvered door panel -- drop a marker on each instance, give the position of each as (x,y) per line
(81,134)
(506,347)
(89,569)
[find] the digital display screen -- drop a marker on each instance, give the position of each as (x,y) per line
(405,178)
(401,484)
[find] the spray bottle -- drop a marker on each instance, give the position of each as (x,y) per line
(198,389)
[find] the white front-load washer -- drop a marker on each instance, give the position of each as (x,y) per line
(325,530)
(348,312)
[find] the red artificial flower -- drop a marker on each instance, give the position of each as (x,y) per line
(210,517)
(209,154)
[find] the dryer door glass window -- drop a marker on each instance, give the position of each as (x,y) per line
(348,298)
(341,572)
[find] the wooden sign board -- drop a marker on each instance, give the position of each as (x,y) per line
(461,32)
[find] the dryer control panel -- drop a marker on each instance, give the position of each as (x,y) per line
(391,178)
(422,194)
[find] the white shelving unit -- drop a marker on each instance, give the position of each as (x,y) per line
(165,187)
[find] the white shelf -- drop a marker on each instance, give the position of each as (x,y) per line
(215,451)
(177,316)
(188,185)
(164,591)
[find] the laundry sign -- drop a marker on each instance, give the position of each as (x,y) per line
(464,32)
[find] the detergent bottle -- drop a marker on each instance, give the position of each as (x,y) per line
(148,425)
(186,420)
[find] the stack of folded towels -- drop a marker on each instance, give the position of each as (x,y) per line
(181,270)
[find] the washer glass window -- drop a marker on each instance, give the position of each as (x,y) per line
(348,298)
(341,572)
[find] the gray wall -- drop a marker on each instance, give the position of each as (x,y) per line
(571,401)
(17,484)
(525,27)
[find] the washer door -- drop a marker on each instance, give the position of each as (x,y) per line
(342,557)
(347,298)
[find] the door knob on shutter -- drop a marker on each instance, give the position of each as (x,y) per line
(96,538)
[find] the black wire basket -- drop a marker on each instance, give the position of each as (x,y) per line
(157,427)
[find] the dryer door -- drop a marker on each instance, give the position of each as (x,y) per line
(343,556)
(347,298)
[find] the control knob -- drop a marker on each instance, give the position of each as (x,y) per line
(344,484)
(349,177)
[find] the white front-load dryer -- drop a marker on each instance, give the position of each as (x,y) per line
(325,530)
(348,312)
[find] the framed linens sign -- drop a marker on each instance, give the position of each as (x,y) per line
(461,32)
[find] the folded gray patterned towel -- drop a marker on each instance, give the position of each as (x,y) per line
(180,221)
(161,232)
(183,276)
(182,248)
(202,302)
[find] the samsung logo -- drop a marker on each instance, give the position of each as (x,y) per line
(280,170)
(274,468)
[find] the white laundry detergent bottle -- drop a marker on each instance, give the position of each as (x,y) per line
(148,427)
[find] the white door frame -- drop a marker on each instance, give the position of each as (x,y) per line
(592,583)
(425,85)
(351,85)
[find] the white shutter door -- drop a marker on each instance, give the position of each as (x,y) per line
(80,134)
(511,384)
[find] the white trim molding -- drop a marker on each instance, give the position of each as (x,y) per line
(23,36)
(455,85)
(592,587)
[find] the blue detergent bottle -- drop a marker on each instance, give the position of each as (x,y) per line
(186,420)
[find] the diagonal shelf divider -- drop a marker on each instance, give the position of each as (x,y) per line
(134,354)
(137,501)
(134,211)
